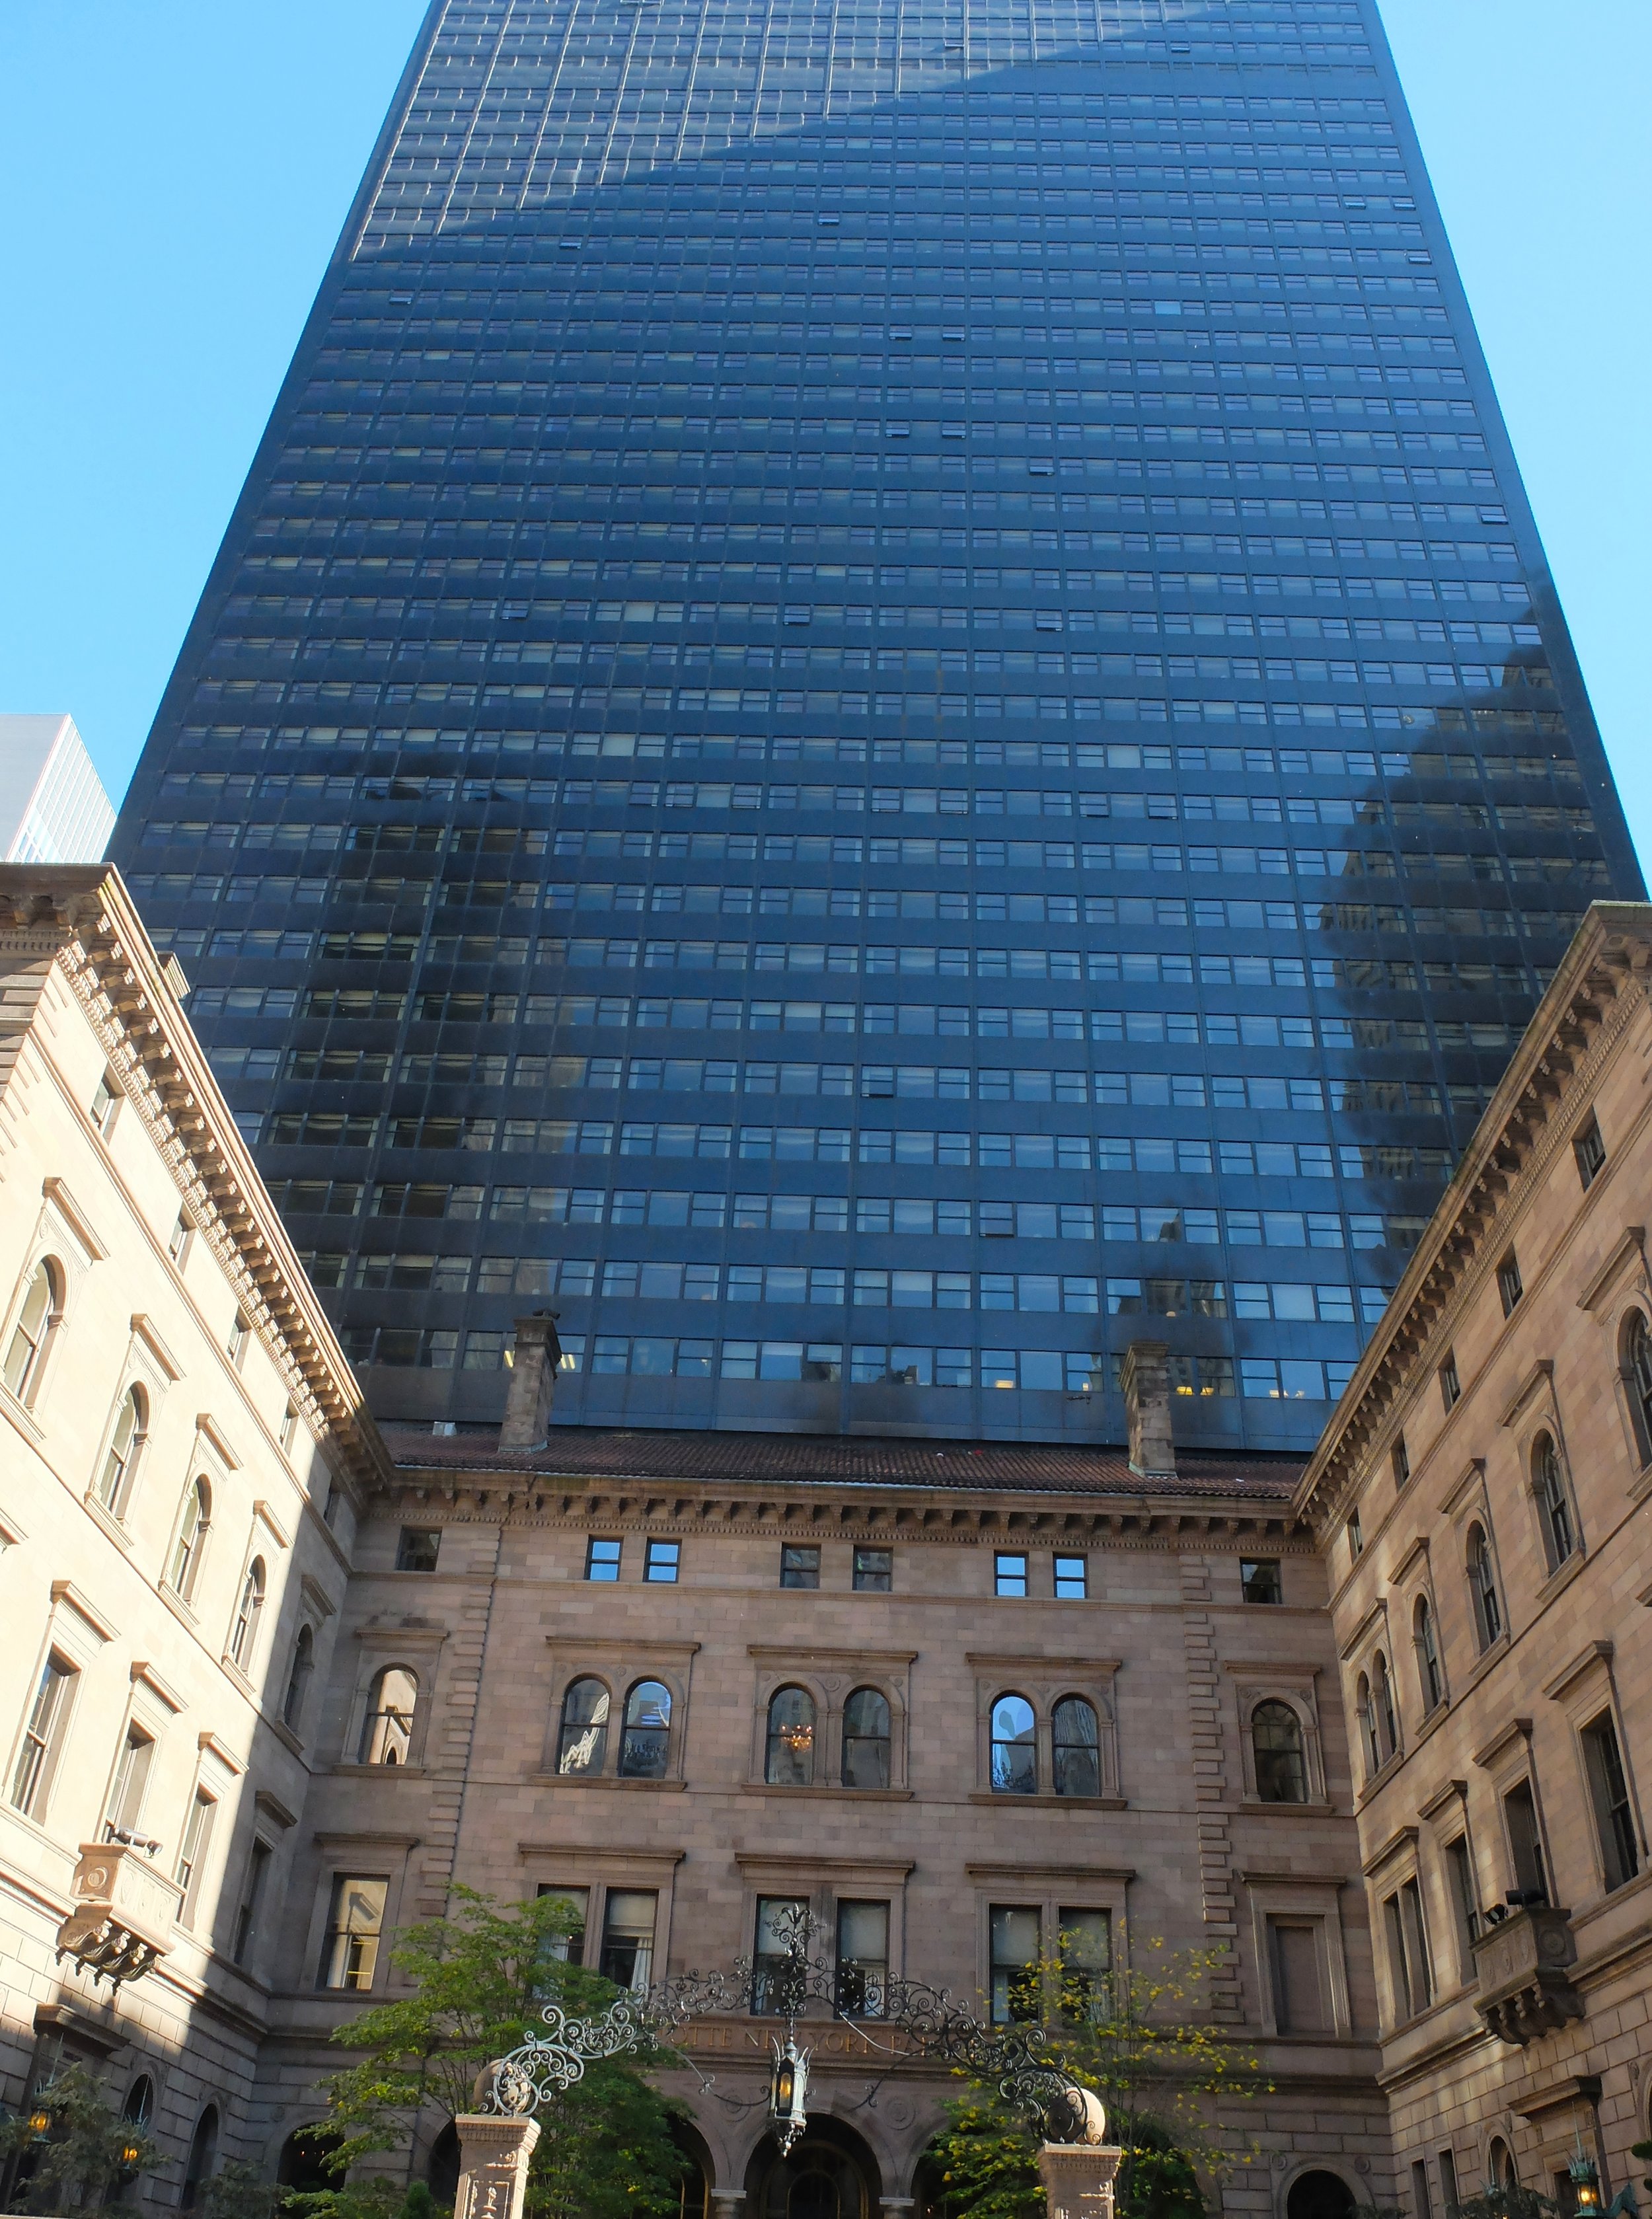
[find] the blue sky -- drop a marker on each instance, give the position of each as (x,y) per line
(175,176)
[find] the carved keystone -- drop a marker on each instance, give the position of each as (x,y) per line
(493,2155)
(1078,2179)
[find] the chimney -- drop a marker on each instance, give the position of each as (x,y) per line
(1147,1380)
(534,1357)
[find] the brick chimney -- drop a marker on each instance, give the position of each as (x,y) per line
(1146,1381)
(535,1356)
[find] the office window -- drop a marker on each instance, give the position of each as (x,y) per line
(349,1947)
(662,1562)
(645,1737)
(866,1739)
(1525,1842)
(1554,1508)
(583,1737)
(1074,1748)
(192,1858)
(1590,1151)
(1510,1287)
(789,1757)
(1276,1748)
(1015,1747)
(1072,1578)
(1450,1385)
(799,1565)
(1614,1817)
(1294,1967)
(1260,1580)
(131,1781)
(602,1559)
(873,1570)
(1399,1460)
(862,1958)
(260,1856)
(43,1733)
(1009,1573)
(781,1921)
(1016,1946)
(416,1550)
(628,1918)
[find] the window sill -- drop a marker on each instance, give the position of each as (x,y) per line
(105,1519)
(1314,1807)
(179,1608)
(22,1414)
(585,1779)
(1488,1656)
(351,1771)
(986,1796)
(1560,1578)
(845,1794)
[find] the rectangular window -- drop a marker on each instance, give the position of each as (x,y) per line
(780,1918)
(247,1912)
(602,1559)
(1418,1957)
(236,1344)
(1072,1578)
(1525,1842)
(1086,1946)
(43,1733)
(1009,1573)
(1450,1385)
(1399,1460)
(178,1238)
(416,1549)
(1294,1965)
(1465,1902)
(1399,1968)
(192,1859)
(660,1563)
(1614,1820)
(1509,1286)
(568,1948)
(628,1918)
(799,1565)
(350,1948)
(1591,1153)
(1259,1579)
(1421,2204)
(105,1095)
(1356,1537)
(1448,2180)
(131,1779)
(874,1570)
(862,1958)
(1017,1945)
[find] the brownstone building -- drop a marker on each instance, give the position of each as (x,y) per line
(1481,1495)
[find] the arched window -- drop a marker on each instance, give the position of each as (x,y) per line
(1635,1359)
(1277,1745)
(136,2112)
(244,1634)
(1500,2163)
(1388,1719)
(203,2152)
(1074,1748)
(648,1731)
(865,1739)
(1014,1748)
(126,1446)
(1428,1654)
(190,1546)
(386,1731)
(298,1679)
(42,1311)
(582,1743)
(789,1760)
(1368,1734)
(1482,1588)
(1554,1511)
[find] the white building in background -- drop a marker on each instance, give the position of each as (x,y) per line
(53,805)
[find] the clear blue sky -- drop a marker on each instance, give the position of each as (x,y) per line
(175,176)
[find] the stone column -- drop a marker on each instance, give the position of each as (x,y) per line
(1077,2179)
(493,2155)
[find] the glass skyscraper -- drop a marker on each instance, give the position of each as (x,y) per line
(883,712)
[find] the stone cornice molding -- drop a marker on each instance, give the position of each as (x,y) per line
(1600,985)
(82,917)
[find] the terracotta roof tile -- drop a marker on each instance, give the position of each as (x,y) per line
(587,1453)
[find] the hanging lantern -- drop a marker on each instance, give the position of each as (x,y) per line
(130,2151)
(787,2089)
(1586,2186)
(40,2120)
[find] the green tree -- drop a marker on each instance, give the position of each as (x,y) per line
(477,1981)
(240,2191)
(1143,2037)
(83,2152)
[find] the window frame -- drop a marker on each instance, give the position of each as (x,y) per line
(602,1569)
(39,1741)
(1450,1381)
(1553,1500)
(191,1531)
(1042,1682)
(1255,1684)
(1003,1564)
(333,1934)
(1589,1151)
(45,1265)
(658,1551)
(619,1668)
(1511,1287)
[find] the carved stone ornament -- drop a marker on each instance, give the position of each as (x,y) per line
(124,1912)
(493,2155)
(1078,2179)
(1520,1969)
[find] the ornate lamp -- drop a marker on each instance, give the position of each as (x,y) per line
(788,2086)
(40,2120)
(1586,2186)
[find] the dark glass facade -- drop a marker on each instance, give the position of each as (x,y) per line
(883,712)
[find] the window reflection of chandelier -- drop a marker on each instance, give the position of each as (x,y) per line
(797,1735)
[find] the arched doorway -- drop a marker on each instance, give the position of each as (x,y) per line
(1320,2196)
(931,2199)
(442,2170)
(303,2159)
(694,2189)
(830,2173)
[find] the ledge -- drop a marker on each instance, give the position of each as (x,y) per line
(987,1798)
(829,1788)
(583,1780)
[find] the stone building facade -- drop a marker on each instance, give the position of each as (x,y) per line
(185,1463)
(1481,1496)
